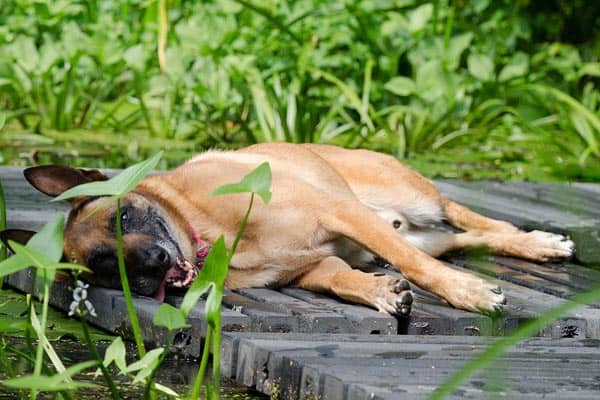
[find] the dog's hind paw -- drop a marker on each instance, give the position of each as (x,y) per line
(541,246)
(395,297)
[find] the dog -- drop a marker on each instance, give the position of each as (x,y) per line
(331,209)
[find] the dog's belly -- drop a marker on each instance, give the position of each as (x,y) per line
(278,267)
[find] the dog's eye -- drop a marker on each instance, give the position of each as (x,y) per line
(124,216)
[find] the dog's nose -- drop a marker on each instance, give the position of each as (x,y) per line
(157,256)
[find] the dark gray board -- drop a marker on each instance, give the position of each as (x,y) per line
(361,367)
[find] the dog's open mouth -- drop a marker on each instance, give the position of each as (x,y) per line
(179,276)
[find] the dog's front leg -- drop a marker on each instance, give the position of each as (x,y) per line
(382,292)
(462,290)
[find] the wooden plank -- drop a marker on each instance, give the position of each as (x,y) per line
(351,366)
(311,318)
(361,319)
(263,316)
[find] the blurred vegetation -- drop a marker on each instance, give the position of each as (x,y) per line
(471,89)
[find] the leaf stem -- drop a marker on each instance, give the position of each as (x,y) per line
(88,340)
(242,228)
(195,392)
(135,324)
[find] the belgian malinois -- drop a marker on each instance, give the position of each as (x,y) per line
(331,208)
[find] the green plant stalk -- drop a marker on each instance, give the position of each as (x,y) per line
(242,228)
(195,392)
(3,251)
(135,324)
(216,365)
(148,394)
(143,107)
(162,35)
(498,348)
(271,18)
(39,358)
(109,381)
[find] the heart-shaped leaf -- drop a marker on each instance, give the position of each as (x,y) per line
(258,181)
(118,186)
(116,352)
(170,317)
(213,274)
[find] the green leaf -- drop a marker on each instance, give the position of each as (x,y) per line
(590,69)
(148,361)
(170,317)
(135,57)
(116,352)
(212,275)
(517,67)
(44,383)
(401,85)
(481,67)
(2,120)
(30,256)
(118,186)
(49,240)
(258,181)
(58,382)
(11,265)
(419,17)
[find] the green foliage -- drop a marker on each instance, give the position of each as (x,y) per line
(415,79)
(258,181)
(116,187)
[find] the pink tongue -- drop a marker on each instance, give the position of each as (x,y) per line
(161,291)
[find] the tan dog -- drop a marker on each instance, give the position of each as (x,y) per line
(331,208)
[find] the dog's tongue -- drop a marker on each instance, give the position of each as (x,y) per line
(181,275)
(162,291)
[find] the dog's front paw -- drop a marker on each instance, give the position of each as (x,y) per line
(471,293)
(394,297)
(541,246)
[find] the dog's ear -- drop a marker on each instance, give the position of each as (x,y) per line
(55,179)
(20,236)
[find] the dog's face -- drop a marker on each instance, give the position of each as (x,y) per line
(157,251)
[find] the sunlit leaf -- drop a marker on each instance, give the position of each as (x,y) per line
(44,383)
(213,274)
(116,352)
(118,185)
(481,67)
(517,66)
(258,181)
(49,240)
(170,317)
(148,361)
(401,85)
(11,265)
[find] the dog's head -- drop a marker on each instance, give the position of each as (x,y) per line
(158,249)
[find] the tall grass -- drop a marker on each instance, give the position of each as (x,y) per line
(422,78)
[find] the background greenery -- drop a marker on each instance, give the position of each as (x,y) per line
(471,89)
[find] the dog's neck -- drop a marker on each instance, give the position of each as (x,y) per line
(202,247)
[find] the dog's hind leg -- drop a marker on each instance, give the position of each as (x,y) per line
(463,218)
(501,237)
(380,291)
(462,290)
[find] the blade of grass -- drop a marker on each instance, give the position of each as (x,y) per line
(496,350)
(3,250)
(271,18)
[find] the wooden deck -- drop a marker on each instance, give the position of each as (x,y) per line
(301,343)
